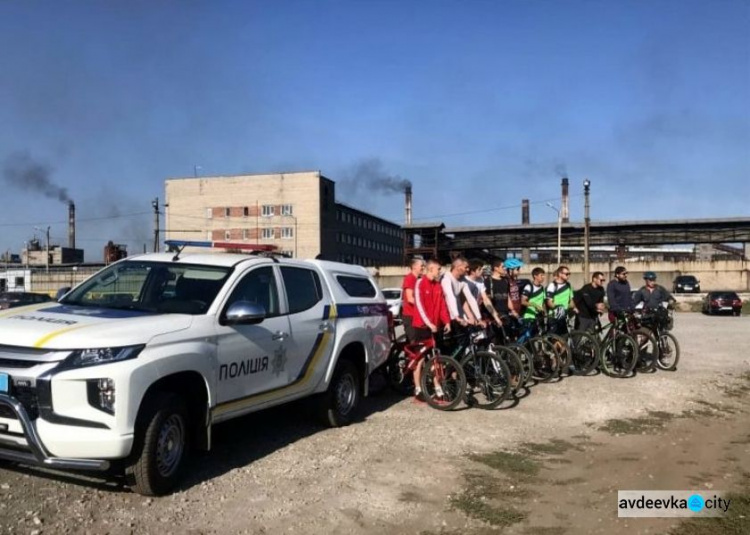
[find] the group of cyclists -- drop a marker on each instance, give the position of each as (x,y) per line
(466,297)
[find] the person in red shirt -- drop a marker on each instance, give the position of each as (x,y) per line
(432,314)
(408,308)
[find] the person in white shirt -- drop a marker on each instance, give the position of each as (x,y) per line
(457,293)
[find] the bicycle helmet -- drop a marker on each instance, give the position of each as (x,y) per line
(512,263)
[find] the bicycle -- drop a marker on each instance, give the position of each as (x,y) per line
(489,381)
(545,356)
(503,337)
(619,351)
(443,379)
(660,321)
(583,347)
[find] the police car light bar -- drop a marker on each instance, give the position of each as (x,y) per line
(176,244)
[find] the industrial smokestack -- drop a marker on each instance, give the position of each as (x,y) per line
(71,225)
(407,194)
(564,210)
(525,212)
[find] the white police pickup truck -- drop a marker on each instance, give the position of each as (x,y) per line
(133,367)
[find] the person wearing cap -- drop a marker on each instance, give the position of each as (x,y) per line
(619,298)
(512,267)
(652,295)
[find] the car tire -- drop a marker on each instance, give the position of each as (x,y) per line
(338,406)
(162,445)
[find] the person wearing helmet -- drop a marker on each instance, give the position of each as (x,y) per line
(652,295)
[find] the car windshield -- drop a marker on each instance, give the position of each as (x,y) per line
(158,287)
(686,279)
(392,294)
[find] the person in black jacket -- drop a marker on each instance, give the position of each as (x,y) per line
(589,301)
(619,298)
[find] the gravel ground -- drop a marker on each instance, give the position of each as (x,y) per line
(392,472)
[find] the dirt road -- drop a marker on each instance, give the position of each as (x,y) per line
(551,464)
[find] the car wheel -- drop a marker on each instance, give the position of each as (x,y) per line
(162,444)
(338,405)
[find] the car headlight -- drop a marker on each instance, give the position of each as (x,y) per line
(82,358)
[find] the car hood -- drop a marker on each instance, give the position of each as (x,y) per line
(56,326)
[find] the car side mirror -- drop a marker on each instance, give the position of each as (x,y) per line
(244,313)
(61,292)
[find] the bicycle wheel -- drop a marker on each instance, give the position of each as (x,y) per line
(647,349)
(514,364)
(669,352)
(397,374)
(487,379)
(585,352)
(443,382)
(545,358)
(619,355)
(527,361)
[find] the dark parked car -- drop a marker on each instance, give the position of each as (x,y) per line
(19,299)
(686,284)
(722,302)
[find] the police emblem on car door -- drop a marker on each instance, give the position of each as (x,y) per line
(253,356)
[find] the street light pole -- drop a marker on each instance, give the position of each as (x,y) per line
(586,223)
(155,204)
(47,255)
(559,233)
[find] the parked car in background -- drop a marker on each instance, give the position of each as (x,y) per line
(394,299)
(722,303)
(20,299)
(686,284)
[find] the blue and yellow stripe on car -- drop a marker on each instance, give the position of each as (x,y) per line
(313,358)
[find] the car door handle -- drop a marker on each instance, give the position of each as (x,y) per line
(326,327)
(278,335)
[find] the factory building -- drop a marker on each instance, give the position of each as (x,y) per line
(295,212)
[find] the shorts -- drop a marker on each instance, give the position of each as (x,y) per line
(421,334)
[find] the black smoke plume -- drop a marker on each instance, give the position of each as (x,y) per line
(21,171)
(370,176)
(562,170)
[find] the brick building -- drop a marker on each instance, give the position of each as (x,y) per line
(297,212)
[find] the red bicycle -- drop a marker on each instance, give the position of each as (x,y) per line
(443,380)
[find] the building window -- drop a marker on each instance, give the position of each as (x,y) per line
(338,215)
(227,211)
(286,209)
(245,234)
(245,211)
(287,232)
(227,235)
(209,235)
(267,210)
(267,233)
(209,213)
(20,283)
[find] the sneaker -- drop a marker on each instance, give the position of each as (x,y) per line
(419,398)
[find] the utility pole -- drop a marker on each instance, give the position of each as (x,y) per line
(155,204)
(47,255)
(586,223)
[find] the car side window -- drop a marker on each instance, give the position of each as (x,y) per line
(259,287)
(303,288)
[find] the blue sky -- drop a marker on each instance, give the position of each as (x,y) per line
(478,103)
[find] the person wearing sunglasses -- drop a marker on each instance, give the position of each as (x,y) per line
(589,301)
(619,296)
(560,299)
